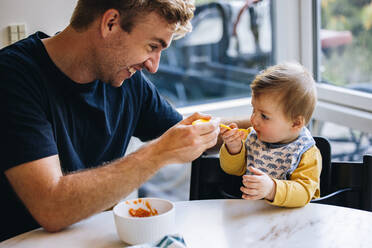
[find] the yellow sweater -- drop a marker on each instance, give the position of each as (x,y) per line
(302,187)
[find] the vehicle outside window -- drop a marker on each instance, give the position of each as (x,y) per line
(214,62)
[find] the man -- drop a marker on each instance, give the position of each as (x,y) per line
(70,104)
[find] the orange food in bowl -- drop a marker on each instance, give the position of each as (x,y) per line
(138,230)
(140,212)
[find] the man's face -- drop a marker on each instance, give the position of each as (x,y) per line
(125,53)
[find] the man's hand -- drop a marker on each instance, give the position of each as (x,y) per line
(258,186)
(232,138)
(185,142)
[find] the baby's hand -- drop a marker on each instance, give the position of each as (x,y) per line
(232,137)
(258,186)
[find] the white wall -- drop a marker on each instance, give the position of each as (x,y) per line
(48,16)
(287,30)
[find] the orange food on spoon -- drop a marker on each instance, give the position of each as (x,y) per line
(199,121)
(221,125)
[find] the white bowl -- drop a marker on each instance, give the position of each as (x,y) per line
(138,230)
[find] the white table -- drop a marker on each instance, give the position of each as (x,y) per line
(227,223)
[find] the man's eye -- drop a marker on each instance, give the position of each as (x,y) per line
(153,47)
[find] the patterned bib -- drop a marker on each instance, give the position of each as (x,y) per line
(277,160)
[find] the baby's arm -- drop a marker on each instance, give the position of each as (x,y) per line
(258,185)
(232,138)
(303,185)
(232,152)
(232,164)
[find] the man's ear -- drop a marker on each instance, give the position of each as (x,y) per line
(298,122)
(110,22)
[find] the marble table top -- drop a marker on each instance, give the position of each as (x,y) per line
(227,223)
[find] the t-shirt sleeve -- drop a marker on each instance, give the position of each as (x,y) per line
(156,115)
(25,130)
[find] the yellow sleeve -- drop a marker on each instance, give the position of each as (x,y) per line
(233,164)
(303,185)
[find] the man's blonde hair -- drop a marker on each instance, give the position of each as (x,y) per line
(295,88)
(178,12)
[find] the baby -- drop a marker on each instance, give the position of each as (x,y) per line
(278,158)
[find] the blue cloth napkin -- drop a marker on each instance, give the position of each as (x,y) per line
(169,241)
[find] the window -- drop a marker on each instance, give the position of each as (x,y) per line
(344,68)
(346,43)
(211,64)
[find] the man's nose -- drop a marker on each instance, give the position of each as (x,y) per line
(152,63)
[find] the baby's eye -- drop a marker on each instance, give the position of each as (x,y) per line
(264,117)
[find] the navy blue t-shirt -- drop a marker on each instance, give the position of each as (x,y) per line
(45,113)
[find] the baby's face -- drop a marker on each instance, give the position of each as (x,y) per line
(269,121)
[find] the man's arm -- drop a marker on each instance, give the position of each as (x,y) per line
(57,201)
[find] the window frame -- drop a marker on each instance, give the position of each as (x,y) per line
(339,105)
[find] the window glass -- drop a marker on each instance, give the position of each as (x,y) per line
(345,35)
(211,63)
(347,143)
(346,43)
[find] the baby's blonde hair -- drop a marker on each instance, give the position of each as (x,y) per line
(294,86)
